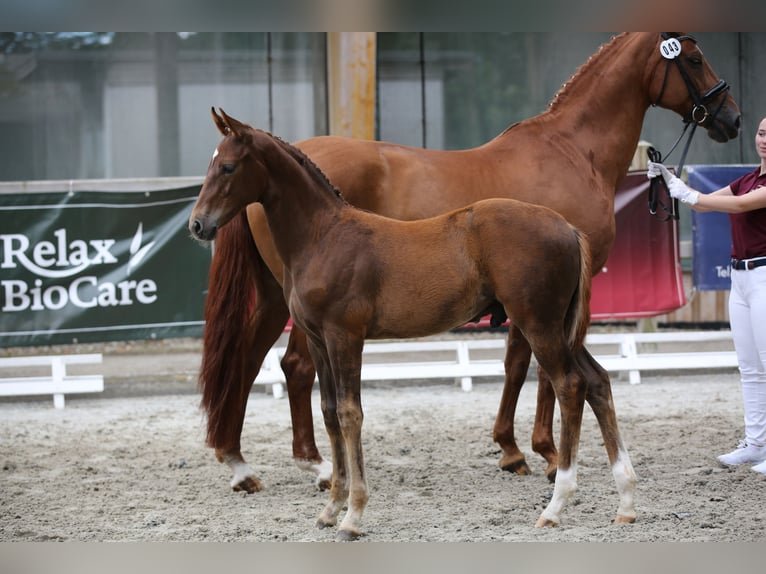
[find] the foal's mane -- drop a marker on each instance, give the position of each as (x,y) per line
(307,164)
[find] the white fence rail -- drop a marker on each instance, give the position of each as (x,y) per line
(633,353)
(57,383)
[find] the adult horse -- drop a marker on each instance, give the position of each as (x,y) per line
(352,275)
(571,158)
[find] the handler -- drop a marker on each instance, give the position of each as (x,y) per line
(744,200)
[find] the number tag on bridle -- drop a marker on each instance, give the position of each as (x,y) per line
(670,48)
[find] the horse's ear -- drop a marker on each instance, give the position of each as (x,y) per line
(220,124)
(238,129)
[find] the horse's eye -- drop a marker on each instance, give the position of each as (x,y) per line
(228,168)
(695,61)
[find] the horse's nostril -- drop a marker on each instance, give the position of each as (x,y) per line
(196,227)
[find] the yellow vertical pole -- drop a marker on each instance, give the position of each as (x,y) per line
(351,83)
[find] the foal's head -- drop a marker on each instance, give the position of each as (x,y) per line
(237,175)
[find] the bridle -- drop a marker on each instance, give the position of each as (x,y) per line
(670,48)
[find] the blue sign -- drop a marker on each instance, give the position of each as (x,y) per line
(711,234)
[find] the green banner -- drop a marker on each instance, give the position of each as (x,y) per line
(93,261)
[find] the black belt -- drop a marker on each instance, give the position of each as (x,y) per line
(742,264)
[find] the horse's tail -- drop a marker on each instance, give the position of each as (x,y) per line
(227,337)
(578,315)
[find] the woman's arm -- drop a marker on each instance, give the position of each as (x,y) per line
(725,201)
(722,199)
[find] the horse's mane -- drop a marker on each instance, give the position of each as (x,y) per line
(307,163)
(602,52)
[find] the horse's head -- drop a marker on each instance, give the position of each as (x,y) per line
(235,177)
(682,80)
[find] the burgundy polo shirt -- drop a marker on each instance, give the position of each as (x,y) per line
(748,230)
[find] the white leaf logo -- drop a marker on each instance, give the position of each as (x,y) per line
(137,252)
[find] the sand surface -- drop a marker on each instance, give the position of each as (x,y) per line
(117,467)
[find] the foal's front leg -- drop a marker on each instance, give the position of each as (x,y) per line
(345,354)
(339,483)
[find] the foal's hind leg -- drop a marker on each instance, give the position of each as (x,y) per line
(299,372)
(570,391)
(599,397)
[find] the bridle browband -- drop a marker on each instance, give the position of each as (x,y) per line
(699,115)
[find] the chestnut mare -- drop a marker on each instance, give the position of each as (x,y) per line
(570,158)
(351,275)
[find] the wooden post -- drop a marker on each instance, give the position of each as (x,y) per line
(351,84)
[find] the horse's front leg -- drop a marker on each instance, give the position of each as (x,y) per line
(542,433)
(299,373)
(517,356)
(570,391)
(599,397)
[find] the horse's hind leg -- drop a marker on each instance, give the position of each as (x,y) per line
(299,372)
(267,324)
(599,397)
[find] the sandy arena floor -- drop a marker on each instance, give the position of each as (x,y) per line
(134,468)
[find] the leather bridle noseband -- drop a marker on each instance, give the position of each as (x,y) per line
(699,115)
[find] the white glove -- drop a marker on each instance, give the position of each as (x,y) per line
(654,169)
(676,187)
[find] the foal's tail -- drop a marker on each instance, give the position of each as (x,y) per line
(578,315)
(227,338)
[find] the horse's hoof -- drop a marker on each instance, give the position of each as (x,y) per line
(550,472)
(321,524)
(347,536)
(543,522)
(518,466)
(249,484)
(620,519)
(324,483)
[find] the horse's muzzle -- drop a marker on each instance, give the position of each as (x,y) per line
(202,228)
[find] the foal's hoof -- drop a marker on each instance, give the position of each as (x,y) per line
(347,536)
(543,522)
(323,483)
(249,484)
(620,519)
(515,465)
